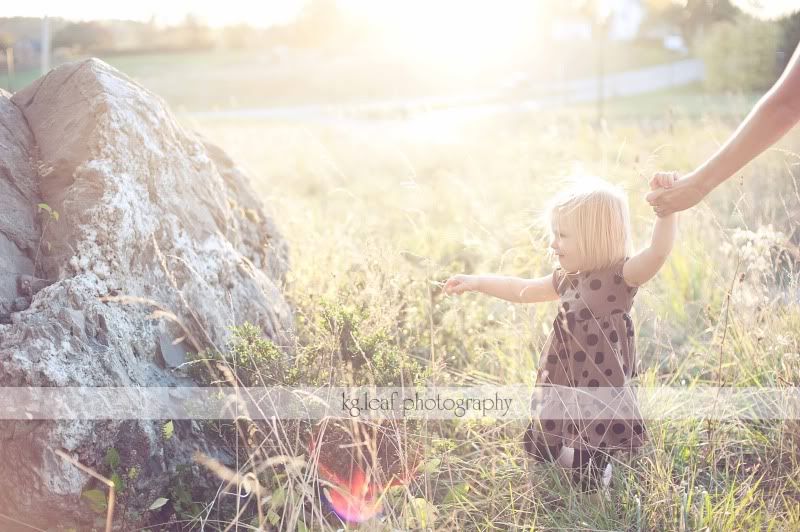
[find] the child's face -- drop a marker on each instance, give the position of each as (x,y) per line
(564,243)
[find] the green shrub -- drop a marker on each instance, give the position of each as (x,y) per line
(367,351)
(741,55)
(255,360)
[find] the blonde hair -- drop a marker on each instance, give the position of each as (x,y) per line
(597,212)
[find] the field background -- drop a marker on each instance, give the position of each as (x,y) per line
(379,212)
(229,79)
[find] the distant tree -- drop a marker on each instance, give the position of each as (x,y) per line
(741,54)
(318,24)
(790,38)
(240,36)
(83,36)
(197,34)
(148,33)
(690,17)
(6,41)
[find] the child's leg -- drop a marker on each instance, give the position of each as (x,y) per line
(537,447)
(591,468)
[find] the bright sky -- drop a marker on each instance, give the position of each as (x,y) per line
(413,13)
(270,12)
(458,30)
(212,12)
(455,30)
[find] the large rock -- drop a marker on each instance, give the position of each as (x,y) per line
(145,210)
(19,231)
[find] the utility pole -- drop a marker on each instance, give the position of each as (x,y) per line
(44,58)
(600,76)
(10,67)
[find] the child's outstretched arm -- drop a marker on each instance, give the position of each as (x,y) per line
(642,267)
(514,289)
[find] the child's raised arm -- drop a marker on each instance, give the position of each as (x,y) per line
(514,289)
(642,267)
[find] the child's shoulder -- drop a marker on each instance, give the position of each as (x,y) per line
(613,272)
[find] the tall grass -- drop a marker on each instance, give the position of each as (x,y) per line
(376,218)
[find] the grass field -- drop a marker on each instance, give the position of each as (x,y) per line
(224,79)
(377,214)
(375,220)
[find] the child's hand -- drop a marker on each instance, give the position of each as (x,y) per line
(458,284)
(663,180)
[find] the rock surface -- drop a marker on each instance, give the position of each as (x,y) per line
(144,210)
(19,230)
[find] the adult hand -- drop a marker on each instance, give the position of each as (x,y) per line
(684,193)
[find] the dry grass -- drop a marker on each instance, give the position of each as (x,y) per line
(375,218)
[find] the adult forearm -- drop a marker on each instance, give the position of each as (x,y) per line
(770,120)
(500,286)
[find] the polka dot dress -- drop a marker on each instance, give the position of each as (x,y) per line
(592,345)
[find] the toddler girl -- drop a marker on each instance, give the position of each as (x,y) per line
(592,343)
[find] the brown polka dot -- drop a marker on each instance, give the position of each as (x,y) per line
(617,278)
(571,428)
(596,284)
(611,298)
(599,357)
(618,428)
(566,306)
(562,354)
(577,295)
(592,339)
(616,311)
(585,314)
(609,372)
(579,356)
(637,429)
(549,424)
(552,359)
(585,327)
(625,368)
(593,383)
(605,325)
(614,337)
(600,429)
(585,373)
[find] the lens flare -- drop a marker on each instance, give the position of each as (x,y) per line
(355,487)
(354,500)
